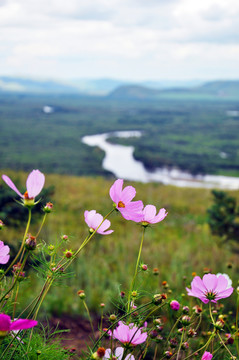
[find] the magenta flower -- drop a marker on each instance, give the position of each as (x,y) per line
(210,288)
(4,253)
(130,210)
(149,215)
(207,356)
(7,325)
(93,220)
(119,351)
(129,334)
(175,305)
(34,184)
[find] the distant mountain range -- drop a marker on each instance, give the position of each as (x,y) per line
(117,89)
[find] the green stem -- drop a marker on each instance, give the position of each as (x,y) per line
(222,342)
(88,313)
(180,345)
(16,278)
(136,268)
(43,221)
(22,245)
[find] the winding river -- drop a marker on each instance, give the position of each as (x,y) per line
(120,161)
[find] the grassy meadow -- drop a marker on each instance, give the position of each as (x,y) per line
(178,246)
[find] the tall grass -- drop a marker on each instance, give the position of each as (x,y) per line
(178,246)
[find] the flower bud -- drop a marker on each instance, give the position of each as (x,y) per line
(31,242)
(173,343)
(157,321)
(185,309)
(122,294)
(155,271)
(175,305)
(144,267)
(64,237)
(81,294)
(134,293)
(185,345)
(192,332)
(48,208)
(68,253)
(219,324)
(186,320)
(113,317)
(168,354)
(197,309)
(102,305)
(1,224)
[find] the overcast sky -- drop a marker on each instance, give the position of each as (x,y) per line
(123,39)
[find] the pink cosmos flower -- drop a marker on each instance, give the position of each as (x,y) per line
(210,288)
(34,184)
(129,334)
(119,351)
(122,198)
(93,220)
(149,215)
(4,253)
(7,325)
(207,356)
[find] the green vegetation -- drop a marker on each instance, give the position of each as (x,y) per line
(196,135)
(178,246)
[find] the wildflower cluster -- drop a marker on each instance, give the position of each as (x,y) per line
(161,325)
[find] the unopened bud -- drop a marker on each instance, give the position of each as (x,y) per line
(134,293)
(48,208)
(175,305)
(155,271)
(1,224)
(144,267)
(185,345)
(81,294)
(186,320)
(168,354)
(68,253)
(102,305)
(31,242)
(64,237)
(112,317)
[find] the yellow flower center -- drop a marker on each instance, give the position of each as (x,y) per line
(121,204)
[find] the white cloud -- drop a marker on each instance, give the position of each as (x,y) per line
(126,38)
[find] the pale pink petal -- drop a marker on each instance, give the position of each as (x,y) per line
(149,213)
(5,322)
(105,225)
(9,182)
(119,351)
(128,194)
(97,219)
(198,283)
(21,324)
(4,250)
(115,190)
(222,283)
(161,215)
(4,259)
(107,354)
(35,183)
(224,294)
(133,211)
(130,357)
(89,216)
(210,281)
